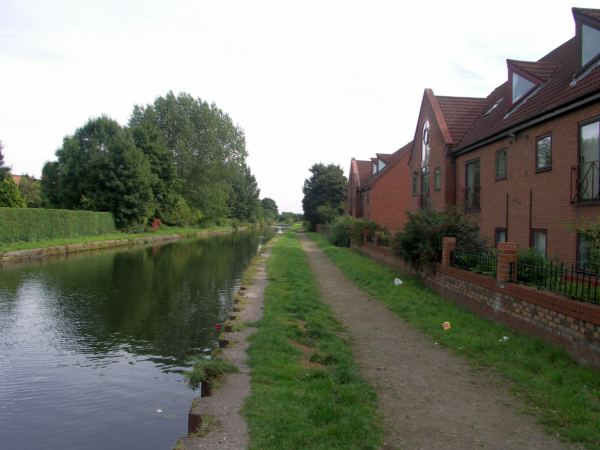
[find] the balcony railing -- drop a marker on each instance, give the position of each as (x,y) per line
(471,198)
(586,188)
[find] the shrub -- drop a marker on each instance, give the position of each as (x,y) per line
(420,243)
(340,231)
(360,226)
(533,266)
(25,224)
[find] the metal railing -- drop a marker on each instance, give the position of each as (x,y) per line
(559,278)
(587,182)
(482,260)
(471,198)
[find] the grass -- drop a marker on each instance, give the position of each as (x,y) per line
(11,246)
(205,370)
(306,390)
(562,395)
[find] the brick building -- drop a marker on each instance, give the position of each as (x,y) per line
(360,173)
(524,162)
(527,168)
(384,196)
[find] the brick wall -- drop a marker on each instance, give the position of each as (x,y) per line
(575,326)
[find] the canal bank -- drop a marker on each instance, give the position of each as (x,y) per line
(89,244)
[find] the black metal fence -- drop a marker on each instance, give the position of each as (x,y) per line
(480,260)
(560,278)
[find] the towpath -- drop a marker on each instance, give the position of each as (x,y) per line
(429,398)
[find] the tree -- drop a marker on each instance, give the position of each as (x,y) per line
(99,168)
(170,206)
(4,171)
(270,210)
(324,193)
(31,191)
(207,149)
(243,198)
(9,194)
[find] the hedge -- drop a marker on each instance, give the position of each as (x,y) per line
(33,224)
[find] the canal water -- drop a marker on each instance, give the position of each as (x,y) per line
(92,347)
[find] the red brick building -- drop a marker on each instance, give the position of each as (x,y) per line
(360,173)
(524,162)
(385,197)
(527,169)
(441,124)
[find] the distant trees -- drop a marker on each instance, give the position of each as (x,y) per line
(324,194)
(31,191)
(9,192)
(269,208)
(180,159)
(290,217)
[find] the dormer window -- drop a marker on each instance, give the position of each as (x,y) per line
(380,164)
(520,87)
(374,168)
(590,43)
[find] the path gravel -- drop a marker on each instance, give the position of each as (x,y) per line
(429,398)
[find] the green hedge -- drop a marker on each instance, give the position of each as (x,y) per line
(34,224)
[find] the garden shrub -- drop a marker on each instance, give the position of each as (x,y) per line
(420,243)
(33,224)
(340,231)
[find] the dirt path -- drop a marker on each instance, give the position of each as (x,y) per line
(229,430)
(429,398)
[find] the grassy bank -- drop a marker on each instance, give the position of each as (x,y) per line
(306,390)
(562,395)
(12,246)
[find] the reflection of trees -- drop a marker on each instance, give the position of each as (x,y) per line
(160,302)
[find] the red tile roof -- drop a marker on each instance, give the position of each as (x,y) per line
(385,157)
(591,13)
(16,178)
(543,71)
(560,90)
(365,170)
(460,113)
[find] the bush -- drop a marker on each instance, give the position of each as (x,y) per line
(420,243)
(533,266)
(360,226)
(24,224)
(340,231)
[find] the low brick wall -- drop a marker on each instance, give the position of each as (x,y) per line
(573,325)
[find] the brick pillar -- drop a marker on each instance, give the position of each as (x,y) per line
(448,246)
(507,255)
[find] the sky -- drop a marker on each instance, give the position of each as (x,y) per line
(308,81)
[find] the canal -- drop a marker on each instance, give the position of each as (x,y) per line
(93,346)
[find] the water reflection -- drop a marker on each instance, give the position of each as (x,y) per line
(96,342)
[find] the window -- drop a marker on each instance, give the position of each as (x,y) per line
(437,179)
(589,168)
(501,168)
(538,241)
(520,86)
(543,153)
(425,145)
(590,43)
(414,184)
(472,183)
(374,168)
(584,253)
(501,235)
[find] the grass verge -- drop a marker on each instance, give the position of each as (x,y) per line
(306,390)
(563,396)
(206,370)
(6,247)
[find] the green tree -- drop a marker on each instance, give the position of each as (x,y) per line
(243,198)
(99,168)
(324,194)
(4,171)
(31,191)
(270,210)
(207,149)
(170,206)
(9,194)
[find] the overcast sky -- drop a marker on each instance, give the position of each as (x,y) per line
(308,81)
